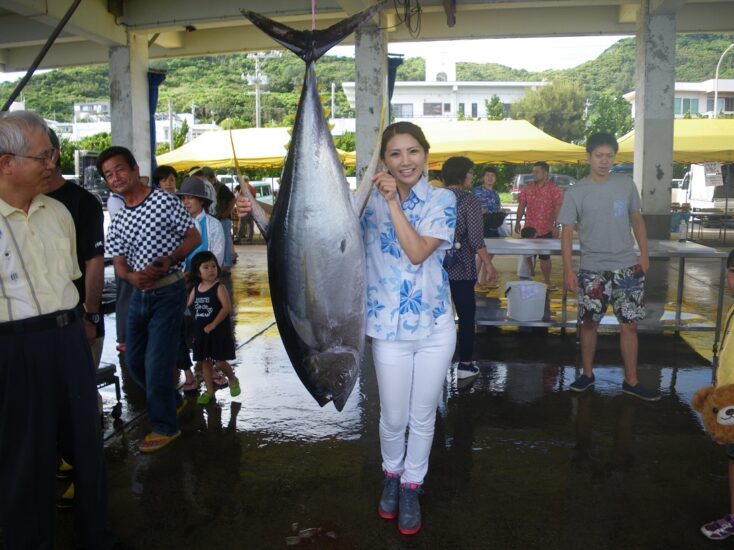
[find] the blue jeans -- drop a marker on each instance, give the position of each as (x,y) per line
(153,331)
(228,259)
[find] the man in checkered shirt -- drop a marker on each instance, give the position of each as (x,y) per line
(149,240)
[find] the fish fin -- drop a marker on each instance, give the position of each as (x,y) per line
(259,213)
(310,45)
(362,194)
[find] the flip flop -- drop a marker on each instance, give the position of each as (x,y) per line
(205,398)
(234,389)
(155,442)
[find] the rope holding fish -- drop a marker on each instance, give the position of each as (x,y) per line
(313,15)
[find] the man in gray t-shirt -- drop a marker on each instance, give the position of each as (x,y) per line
(605,209)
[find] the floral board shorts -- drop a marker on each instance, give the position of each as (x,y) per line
(624,288)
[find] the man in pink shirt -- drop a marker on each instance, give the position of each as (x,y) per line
(539,202)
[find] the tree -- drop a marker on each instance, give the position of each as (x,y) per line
(609,113)
(413,68)
(346,142)
(557,109)
(67,155)
(494,107)
(97,142)
(180,135)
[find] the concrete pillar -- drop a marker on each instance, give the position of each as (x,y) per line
(370,90)
(655,87)
(129,99)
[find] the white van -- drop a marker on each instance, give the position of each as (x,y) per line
(705,187)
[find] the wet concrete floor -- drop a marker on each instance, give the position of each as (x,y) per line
(517,461)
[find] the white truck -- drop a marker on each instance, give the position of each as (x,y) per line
(705,187)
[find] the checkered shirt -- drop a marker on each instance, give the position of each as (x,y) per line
(151,229)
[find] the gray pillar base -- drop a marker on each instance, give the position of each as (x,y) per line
(658,226)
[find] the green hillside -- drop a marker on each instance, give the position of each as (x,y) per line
(214,87)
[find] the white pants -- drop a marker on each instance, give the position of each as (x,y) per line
(410,376)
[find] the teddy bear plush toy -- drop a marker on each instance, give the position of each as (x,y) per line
(716,405)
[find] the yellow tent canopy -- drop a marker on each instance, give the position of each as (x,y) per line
(695,140)
(254,148)
(486,141)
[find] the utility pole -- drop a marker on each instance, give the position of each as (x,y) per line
(170,126)
(258,80)
(333,100)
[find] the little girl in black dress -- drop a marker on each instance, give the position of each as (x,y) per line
(213,340)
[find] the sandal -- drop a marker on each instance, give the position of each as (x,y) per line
(205,398)
(234,389)
(190,387)
(155,442)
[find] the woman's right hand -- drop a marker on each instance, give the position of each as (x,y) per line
(244,206)
(386,185)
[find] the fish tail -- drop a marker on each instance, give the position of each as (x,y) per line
(310,45)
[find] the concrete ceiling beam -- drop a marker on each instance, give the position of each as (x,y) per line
(659,7)
(351,7)
(628,13)
(17,31)
(61,55)
(163,15)
(171,40)
(91,20)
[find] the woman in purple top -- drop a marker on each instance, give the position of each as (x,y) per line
(468,243)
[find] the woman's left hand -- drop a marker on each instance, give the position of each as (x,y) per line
(386,185)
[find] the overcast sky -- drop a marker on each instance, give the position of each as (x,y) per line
(532,54)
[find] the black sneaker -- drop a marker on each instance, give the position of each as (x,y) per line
(582,383)
(409,516)
(388,508)
(640,392)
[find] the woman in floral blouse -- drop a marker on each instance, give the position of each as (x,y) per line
(408,226)
(457,175)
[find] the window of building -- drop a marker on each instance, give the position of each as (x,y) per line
(683,105)
(461,109)
(725,104)
(402,110)
(432,109)
(447,107)
(474,110)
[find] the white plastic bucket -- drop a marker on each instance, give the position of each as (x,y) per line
(525,300)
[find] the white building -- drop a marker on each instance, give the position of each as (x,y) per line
(450,99)
(697,98)
(441,96)
(94,118)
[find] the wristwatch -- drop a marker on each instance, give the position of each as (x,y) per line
(94,318)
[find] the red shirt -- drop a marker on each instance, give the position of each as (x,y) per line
(541,205)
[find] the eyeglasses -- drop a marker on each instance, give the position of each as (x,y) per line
(50,155)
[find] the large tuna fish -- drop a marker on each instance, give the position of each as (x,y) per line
(315,250)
